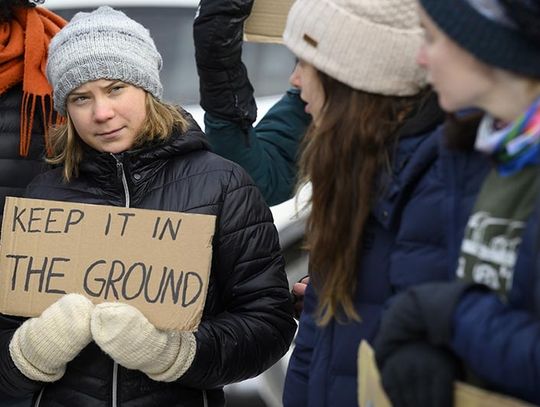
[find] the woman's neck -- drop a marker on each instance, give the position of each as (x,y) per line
(511,98)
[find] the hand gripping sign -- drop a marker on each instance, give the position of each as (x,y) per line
(371,392)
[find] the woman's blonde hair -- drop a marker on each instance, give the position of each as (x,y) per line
(67,146)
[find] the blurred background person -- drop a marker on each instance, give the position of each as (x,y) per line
(484,327)
(268,151)
(25,101)
(25,94)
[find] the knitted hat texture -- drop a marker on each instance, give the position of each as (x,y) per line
(491,40)
(369,45)
(103,44)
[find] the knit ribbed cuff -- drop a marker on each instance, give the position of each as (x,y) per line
(186,354)
(27,368)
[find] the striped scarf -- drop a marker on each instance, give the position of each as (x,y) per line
(514,146)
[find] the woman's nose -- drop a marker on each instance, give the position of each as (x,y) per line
(103,110)
(421,58)
(294,79)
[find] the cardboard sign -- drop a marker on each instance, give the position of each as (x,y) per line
(157,261)
(267,21)
(371,393)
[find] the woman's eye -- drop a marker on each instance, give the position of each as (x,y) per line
(78,100)
(116,89)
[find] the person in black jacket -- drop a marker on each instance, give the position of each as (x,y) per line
(268,150)
(25,95)
(122,146)
(23,28)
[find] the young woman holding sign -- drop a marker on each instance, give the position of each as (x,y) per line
(123,146)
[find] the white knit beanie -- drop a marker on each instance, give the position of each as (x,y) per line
(103,44)
(370,45)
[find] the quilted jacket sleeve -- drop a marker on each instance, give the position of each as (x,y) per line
(256,325)
(12,381)
(499,343)
(270,152)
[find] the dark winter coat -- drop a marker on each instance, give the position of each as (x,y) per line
(412,236)
(499,341)
(16,172)
(247,322)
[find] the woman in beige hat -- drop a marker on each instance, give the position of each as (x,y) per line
(381,201)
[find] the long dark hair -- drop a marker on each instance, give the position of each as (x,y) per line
(460,130)
(341,157)
(7,7)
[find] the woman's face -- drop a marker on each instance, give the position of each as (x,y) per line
(460,80)
(305,78)
(107,115)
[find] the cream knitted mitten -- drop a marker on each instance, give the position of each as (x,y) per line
(125,334)
(42,346)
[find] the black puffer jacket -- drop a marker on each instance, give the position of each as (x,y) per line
(247,323)
(16,172)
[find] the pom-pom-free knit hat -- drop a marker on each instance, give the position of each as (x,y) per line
(483,28)
(103,44)
(369,45)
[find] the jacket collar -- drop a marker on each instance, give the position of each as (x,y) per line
(427,117)
(98,164)
(416,150)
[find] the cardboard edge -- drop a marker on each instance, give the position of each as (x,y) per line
(264,39)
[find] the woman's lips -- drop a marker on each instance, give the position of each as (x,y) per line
(111,133)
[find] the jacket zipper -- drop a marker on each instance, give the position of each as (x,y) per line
(205,398)
(120,171)
(115,385)
(38,400)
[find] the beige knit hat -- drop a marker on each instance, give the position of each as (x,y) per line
(369,45)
